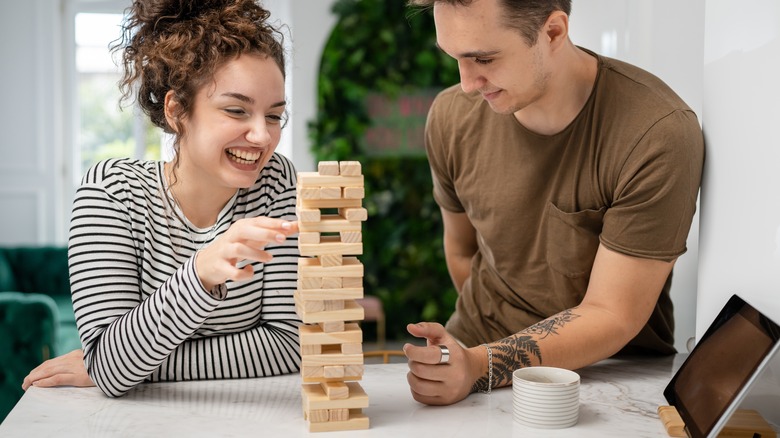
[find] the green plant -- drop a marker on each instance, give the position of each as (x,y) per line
(381,46)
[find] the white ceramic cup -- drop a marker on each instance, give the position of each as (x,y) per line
(545,397)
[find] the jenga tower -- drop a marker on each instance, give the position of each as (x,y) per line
(330,215)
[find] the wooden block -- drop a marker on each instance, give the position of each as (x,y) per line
(351,293)
(315,374)
(357,421)
(311,349)
(338,414)
(328,167)
(329,260)
(353,193)
(672,421)
(310,237)
(310,267)
(317,415)
(348,236)
(352,282)
(354,214)
(331,283)
(311,179)
(352,311)
(306,215)
(314,397)
(336,390)
(330,245)
(313,334)
(334,305)
(309,306)
(306,282)
(350,168)
(354,370)
(331,326)
(310,372)
(330,203)
(329,223)
(330,193)
(332,372)
(309,193)
(351,348)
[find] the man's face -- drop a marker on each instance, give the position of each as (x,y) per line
(493,59)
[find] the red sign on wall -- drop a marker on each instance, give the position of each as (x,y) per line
(397,125)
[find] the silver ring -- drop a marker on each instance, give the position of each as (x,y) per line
(445,354)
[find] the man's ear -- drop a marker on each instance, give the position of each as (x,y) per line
(556,29)
(172,111)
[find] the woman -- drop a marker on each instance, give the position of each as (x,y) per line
(185,270)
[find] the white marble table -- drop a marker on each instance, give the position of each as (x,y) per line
(618,397)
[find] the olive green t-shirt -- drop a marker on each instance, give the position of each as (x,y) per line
(625,173)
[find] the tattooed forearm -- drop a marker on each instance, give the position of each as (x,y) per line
(517,351)
(548,326)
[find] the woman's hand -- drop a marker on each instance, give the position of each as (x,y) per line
(244,240)
(65,370)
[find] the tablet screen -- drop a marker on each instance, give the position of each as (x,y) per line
(728,356)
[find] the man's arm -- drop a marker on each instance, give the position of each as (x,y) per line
(621,295)
(460,245)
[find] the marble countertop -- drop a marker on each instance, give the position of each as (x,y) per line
(618,397)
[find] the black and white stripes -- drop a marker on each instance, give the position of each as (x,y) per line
(141,310)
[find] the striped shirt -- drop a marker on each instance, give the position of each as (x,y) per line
(141,310)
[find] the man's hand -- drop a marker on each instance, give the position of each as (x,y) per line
(65,370)
(435,383)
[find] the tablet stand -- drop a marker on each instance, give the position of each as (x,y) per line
(745,423)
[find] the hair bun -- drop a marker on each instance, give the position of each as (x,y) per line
(162,13)
(195,8)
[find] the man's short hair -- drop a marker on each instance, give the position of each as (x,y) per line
(526,16)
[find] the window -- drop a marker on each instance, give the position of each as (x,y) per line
(103,129)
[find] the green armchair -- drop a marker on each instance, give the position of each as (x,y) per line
(36,314)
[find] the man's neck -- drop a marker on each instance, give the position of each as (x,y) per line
(570,86)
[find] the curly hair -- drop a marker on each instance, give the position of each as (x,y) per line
(526,16)
(178,45)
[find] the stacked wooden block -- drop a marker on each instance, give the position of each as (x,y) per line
(330,279)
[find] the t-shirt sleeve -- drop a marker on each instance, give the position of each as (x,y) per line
(437,146)
(655,196)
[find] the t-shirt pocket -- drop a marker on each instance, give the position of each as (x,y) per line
(572,240)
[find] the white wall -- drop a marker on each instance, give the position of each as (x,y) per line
(308,25)
(311,23)
(740,227)
(30,152)
(665,37)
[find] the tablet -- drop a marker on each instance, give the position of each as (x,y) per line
(718,373)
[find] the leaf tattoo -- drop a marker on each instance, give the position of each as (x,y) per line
(517,351)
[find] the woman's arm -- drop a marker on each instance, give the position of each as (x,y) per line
(130,335)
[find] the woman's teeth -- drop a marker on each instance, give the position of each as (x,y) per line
(242,156)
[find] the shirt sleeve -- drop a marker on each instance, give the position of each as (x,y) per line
(656,192)
(437,144)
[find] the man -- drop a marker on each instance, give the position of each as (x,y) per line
(567,183)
